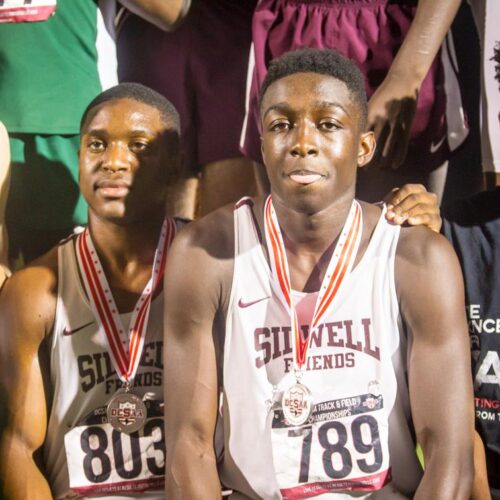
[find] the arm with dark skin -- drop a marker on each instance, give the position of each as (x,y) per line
(27,309)
(431,298)
(413,204)
(391,108)
(164,14)
(197,282)
(480,488)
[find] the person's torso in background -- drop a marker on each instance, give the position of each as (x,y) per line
(49,70)
(473,227)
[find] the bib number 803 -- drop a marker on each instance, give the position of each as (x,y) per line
(97,465)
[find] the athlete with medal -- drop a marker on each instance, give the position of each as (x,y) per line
(297,399)
(330,331)
(85,321)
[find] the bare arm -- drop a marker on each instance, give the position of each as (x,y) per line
(25,311)
(165,14)
(193,292)
(431,299)
(392,107)
(480,488)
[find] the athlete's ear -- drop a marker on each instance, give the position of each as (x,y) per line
(366,148)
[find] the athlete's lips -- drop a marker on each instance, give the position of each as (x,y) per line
(305,176)
(113,188)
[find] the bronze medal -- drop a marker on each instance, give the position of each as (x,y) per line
(126,412)
(297,404)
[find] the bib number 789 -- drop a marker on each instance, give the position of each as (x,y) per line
(337,457)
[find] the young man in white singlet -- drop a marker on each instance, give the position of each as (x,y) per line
(82,335)
(330,331)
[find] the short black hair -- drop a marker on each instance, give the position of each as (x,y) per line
(322,61)
(496,58)
(140,93)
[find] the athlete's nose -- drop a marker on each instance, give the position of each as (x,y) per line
(304,143)
(116,158)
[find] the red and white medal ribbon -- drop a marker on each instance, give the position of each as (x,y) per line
(340,266)
(125,349)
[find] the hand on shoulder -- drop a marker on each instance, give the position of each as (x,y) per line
(414,205)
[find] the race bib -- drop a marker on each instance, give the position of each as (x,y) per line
(102,460)
(343,446)
(23,11)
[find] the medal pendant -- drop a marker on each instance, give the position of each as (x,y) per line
(126,412)
(297,404)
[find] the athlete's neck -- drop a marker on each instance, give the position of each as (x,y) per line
(314,231)
(127,250)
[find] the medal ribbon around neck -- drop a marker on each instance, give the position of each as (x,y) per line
(340,266)
(104,307)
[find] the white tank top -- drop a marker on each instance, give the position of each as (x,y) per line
(360,434)
(83,380)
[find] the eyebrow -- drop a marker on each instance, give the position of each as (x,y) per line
(132,132)
(329,104)
(284,106)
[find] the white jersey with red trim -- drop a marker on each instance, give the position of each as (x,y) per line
(358,441)
(83,455)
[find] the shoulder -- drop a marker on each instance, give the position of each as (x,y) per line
(427,273)
(422,247)
(212,234)
(200,260)
(28,298)
(423,254)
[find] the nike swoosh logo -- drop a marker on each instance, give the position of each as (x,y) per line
(68,332)
(251,303)
(435,146)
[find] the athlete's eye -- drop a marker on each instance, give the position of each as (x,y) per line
(96,146)
(138,146)
(328,125)
(280,126)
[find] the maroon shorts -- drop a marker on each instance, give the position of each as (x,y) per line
(370,33)
(201,68)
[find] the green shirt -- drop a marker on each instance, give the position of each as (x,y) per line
(48,70)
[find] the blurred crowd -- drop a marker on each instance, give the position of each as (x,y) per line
(210,62)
